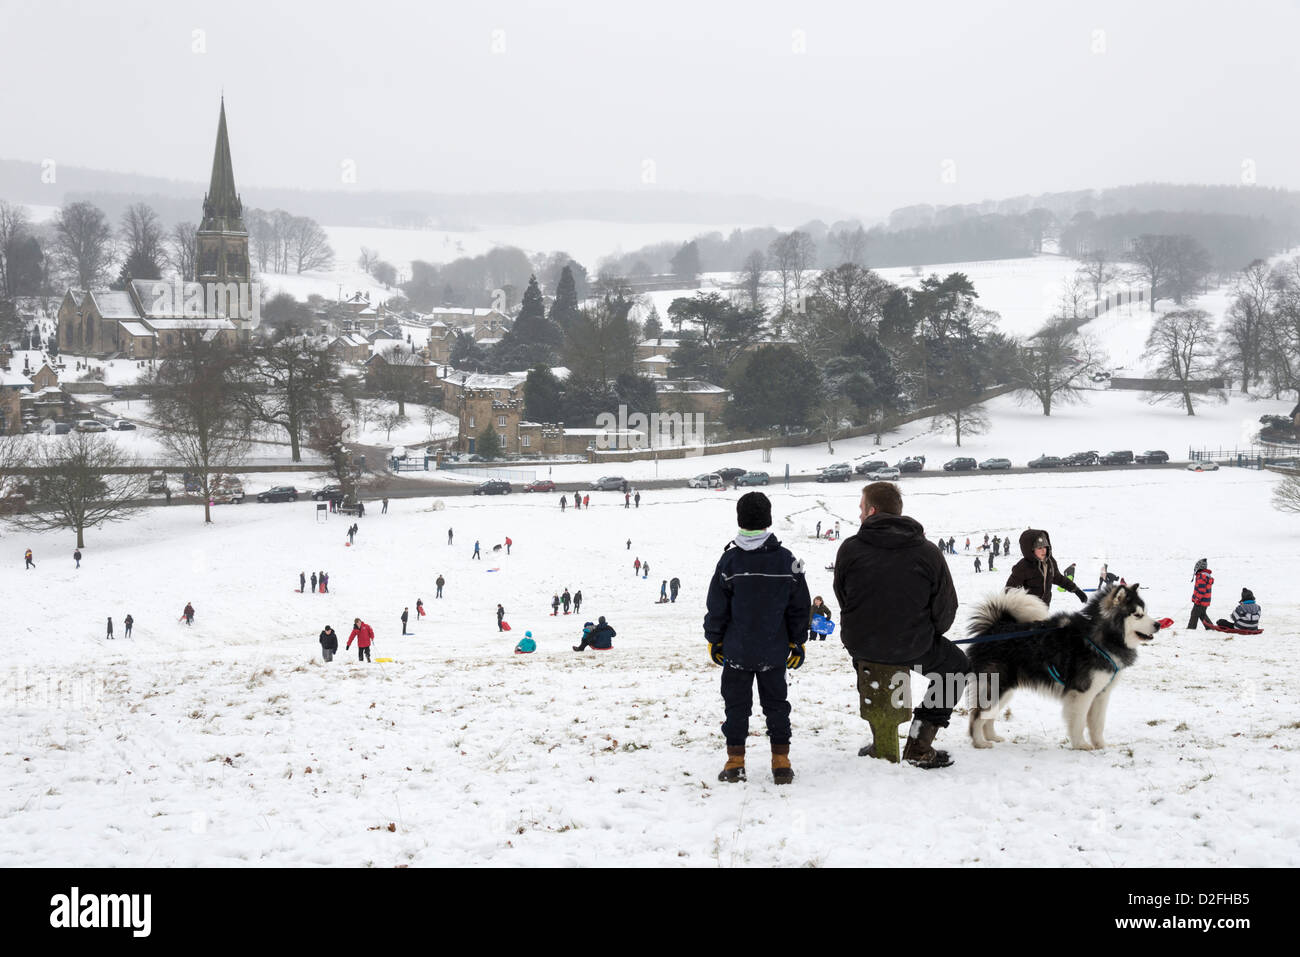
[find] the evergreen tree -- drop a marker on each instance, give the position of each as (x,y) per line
(488,444)
(653,328)
(543,396)
(686,261)
(564,310)
(775,389)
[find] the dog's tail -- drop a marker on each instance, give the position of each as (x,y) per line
(1013,606)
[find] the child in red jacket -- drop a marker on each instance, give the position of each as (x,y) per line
(1201,595)
(364,635)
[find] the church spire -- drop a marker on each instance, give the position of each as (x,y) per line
(222,209)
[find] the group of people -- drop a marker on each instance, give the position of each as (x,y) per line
(998,543)
(566,599)
(362,634)
(668,589)
(579,501)
(128,622)
(896,599)
(320,581)
(1245,617)
(832,534)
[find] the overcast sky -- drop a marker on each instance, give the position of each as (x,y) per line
(889,103)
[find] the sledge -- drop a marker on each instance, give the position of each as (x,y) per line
(347,544)
(821,625)
(505,626)
(389,660)
(492,569)
(830,568)
(1232,631)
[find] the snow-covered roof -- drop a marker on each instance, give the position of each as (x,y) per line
(11,379)
(136,329)
(489,341)
(482,380)
(182,325)
(659,359)
(661,343)
(687,385)
(352,340)
(114,305)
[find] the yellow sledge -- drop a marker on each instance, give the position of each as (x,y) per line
(383,659)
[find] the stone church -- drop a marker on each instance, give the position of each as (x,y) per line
(149,318)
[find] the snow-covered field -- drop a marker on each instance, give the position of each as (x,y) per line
(231,743)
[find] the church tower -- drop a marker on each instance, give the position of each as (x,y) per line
(222,253)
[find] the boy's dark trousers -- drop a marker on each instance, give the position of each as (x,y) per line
(439,595)
(363,654)
(1199,614)
(738,701)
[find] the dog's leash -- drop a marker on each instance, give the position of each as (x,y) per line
(1004,637)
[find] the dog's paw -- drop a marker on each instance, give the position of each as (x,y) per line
(991,735)
(1081,746)
(982,744)
(1098,744)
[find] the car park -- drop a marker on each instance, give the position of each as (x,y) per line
(989,464)
(1203,466)
(492,487)
(1117,458)
(123,425)
(753,478)
(1152,457)
(540,485)
(90,425)
(1045,462)
(227,490)
(607,483)
(729,474)
(839,472)
(1082,458)
(886,474)
(281,493)
(862,468)
(959,464)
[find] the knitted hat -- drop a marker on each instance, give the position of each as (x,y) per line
(1041,542)
(602,619)
(1201,565)
(1247,595)
(528,634)
(754,512)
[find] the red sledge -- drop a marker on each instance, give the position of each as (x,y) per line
(1232,631)
(505,626)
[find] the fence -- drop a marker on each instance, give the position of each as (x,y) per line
(505,475)
(1251,457)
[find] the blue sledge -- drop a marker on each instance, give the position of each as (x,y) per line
(821,625)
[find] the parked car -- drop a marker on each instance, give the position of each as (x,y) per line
(492,487)
(227,490)
(158,481)
(1100,376)
(90,425)
(1082,458)
(1046,462)
(886,474)
(959,465)
(281,493)
(540,485)
(607,483)
(57,428)
(117,392)
(123,425)
(729,474)
(1152,457)
(862,468)
(989,464)
(753,478)
(839,472)
(1204,466)
(1117,458)
(707,480)
(913,463)
(329,493)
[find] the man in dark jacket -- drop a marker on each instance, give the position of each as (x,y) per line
(329,643)
(1037,572)
(896,601)
(756,626)
(599,636)
(674,586)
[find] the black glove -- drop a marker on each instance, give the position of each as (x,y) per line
(715,653)
(795,660)
(1083,596)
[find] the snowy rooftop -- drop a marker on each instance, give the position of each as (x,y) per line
(114,305)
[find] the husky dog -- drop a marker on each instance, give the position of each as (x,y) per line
(1077,656)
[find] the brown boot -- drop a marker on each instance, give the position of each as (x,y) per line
(735,767)
(919,752)
(781,770)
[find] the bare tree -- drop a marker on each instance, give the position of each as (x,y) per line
(141,236)
(1189,264)
(1286,497)
(1098,270)
(83,242)
(292,382)
(197,404)
(1074,302)
(389,419)
(751,279)
(1152,257)
(962,420)
(791,255)
(13,224)
(310,247)
(1051,366)
(1181,346)
(368,259)
(181,243)
(851,246)
(79,484)
(328,436)
(1281,353)
(1255,294)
